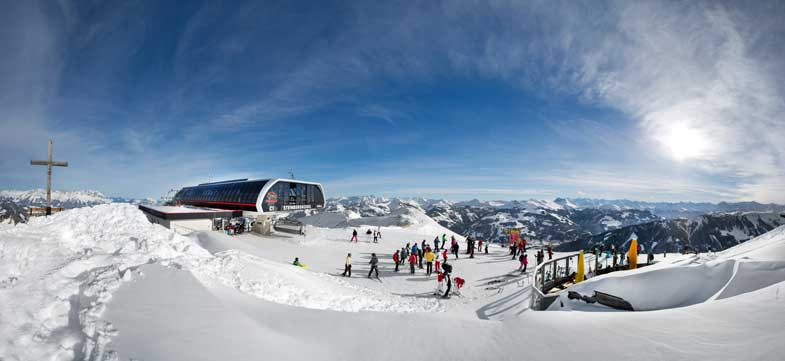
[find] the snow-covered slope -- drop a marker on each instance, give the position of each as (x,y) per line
(65,199)
(58,273)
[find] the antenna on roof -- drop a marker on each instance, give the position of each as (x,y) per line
(291,174)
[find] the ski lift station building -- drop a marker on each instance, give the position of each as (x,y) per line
(235,198)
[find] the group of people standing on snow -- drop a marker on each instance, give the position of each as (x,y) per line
(377,235)
(422,256)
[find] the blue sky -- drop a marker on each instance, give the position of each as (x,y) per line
(667,101)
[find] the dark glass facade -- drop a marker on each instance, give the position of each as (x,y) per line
(282,196)
(236,195)
(288,196)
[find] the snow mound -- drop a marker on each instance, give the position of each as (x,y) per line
(748,267)
(60,271)
(291,285)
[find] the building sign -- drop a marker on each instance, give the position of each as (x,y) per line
(271,198)
(292,207)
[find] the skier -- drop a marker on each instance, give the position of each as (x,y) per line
(513,250)
(436,243)
(439,283)
(444,255)
(347,266)
(374,265)
(455,248)
(429,262)
(375,237)
(412,262)
(550,252)
(437,266)
(486,247)
(444,240)
(379,234)
(458,285)
(396,259)
(404,255)
(479,245)
(615,259)
(524,261)
(416,252)
(354,236)
(447,270)
(420,255)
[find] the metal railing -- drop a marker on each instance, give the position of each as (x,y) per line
(553,273)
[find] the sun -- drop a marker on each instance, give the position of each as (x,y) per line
(684,142)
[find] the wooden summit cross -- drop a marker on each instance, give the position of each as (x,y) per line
(49,163)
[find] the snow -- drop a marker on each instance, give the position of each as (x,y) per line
(102,283)
(610,223)
(738,234)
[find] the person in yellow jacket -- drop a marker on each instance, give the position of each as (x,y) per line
(429,257)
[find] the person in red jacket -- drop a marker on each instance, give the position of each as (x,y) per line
(444,254)
(396,259)
(438,266)
(439,283)
(412,262)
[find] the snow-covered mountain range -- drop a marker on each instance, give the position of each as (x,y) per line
(578,222)
(669,209)
(11,213)
(65,199)
(713,231)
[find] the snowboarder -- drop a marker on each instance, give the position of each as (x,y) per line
(412,262)
(347,266)
(354,236)
(296,261)
(374,265)
(396,259)
(429,262)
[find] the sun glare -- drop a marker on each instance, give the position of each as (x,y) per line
(684,142)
